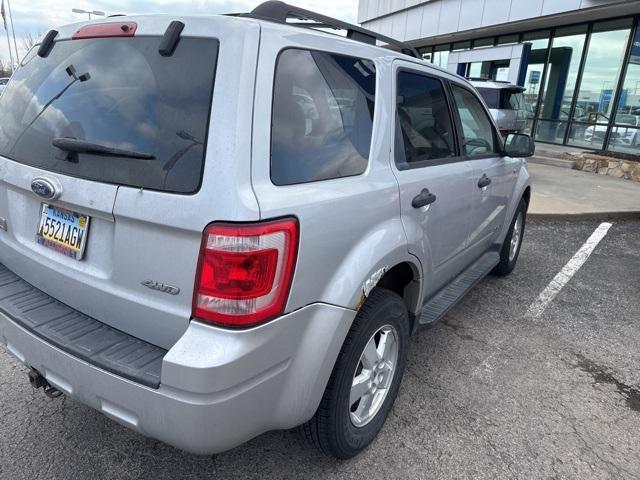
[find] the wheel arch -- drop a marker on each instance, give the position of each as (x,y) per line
(522,189)
(405,280)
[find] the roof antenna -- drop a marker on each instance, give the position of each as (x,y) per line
(171,38)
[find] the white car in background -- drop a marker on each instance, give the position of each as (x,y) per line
(624,133)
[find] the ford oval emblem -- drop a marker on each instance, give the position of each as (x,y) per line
(44,188)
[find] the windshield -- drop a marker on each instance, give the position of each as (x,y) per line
(118,93)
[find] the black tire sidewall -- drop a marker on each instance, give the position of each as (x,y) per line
(506,266)
(522,209)
(381,308)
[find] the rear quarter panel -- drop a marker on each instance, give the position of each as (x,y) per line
(350,228)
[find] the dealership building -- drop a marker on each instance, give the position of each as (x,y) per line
(579,60)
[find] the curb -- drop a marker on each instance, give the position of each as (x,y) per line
(552,162)
(576,217)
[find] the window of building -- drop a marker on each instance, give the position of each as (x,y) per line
(594,107)
(441,56)
(322,117)
(624,137)
(478,132)
(423,120)
(500,71)
(484,42)
(537,35)
(559,88)
(426,53)
(508,39)
(560,109)
(572,30)
(533,78)
(617,24)
(550,131)
(459,46)
(475,70)
(541,44)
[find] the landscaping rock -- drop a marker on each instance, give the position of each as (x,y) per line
(603,165)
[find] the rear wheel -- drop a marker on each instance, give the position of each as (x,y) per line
(512,243)
(366,378)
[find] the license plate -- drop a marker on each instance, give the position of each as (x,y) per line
(63,230)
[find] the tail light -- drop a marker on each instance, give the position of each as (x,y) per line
(245,272)
(506,133)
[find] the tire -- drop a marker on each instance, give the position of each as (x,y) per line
(509,254)
(343,429)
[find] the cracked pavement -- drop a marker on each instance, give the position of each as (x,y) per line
(488,393)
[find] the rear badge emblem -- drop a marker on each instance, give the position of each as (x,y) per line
(44,188)
(161,287)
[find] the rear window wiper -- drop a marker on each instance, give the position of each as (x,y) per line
(73,145)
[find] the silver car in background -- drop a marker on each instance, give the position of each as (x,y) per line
(506,103)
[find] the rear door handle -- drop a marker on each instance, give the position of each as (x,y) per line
(424,198)
(484,181)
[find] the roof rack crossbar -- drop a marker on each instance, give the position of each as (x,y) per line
(277,11)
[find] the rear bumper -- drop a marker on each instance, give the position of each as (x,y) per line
(218,389)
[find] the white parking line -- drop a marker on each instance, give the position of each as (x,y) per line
(538,307)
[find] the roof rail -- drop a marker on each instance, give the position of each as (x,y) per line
(276,11)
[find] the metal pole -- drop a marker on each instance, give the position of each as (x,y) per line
(543,80)
(578,86)
(617,96)
(13,30)
(10,50)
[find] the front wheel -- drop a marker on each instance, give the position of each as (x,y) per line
(366,378)
(513,242)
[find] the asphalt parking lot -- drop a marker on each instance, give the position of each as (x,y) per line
(489,393)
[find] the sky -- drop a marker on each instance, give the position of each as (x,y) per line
(36,17)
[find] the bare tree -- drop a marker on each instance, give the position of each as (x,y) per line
(5,68)
(29,40)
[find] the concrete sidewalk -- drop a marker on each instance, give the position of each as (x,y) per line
(562,192)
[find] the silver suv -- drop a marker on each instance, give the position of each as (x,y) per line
(212,227)
(506,104)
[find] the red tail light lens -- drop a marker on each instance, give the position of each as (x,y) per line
(245,272)
(506,133)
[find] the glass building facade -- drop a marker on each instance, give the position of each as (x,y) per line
(582,81)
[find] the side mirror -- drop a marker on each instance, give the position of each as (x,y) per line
(519,145)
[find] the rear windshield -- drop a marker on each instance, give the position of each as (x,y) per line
(491,96)
(502,99)
(118,93)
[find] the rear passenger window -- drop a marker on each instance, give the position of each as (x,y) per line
(322,116)
(423,121)
(479,134)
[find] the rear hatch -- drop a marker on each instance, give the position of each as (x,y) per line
(102,154)
(507,105)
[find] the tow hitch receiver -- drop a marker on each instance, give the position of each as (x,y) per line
(37,380)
